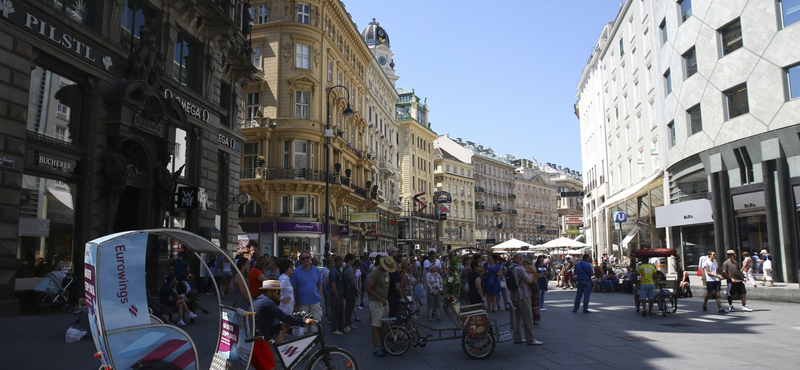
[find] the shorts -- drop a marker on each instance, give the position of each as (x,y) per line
(377,311)
(648,292)
(713,286)
(227,274)
(737,288)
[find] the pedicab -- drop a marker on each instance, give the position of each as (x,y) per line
(125,334)
(479,333)
(667,291)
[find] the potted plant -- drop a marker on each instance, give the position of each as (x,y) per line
(337,168)
(348,172)
(369,184)
(374,191)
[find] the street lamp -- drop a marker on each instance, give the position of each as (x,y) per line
(348,112)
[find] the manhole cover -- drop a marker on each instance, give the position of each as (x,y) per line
(639,339)
(678,325)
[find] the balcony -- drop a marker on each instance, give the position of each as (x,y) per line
(479,189)
(512,196)
(480,206)
(285,174)
(512,211)
(497,209)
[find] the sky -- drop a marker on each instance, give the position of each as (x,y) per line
(501,74)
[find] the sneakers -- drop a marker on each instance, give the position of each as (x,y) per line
(205,311)
(191,314)
(181,323)
(705,308)
(722,310)
(378,352)
(352,327)
(336,332)
(535,343)
(438,318)
(357,320)
(730,309)
(346,329)
(542,309)
(746,309)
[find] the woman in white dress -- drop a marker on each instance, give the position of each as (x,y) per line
(286,267)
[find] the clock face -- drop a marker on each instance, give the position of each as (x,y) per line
(382,60)
(242,198)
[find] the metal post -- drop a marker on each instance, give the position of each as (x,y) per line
(348,112)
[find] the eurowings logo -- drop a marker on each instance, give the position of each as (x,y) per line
(290,351)
(134,310)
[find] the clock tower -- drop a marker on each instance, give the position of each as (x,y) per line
(378,42)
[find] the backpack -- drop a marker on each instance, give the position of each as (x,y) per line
(511,280)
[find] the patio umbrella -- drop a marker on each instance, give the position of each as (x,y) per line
(376,254)
(566,243)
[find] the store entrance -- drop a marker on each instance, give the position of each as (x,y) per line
(131,211)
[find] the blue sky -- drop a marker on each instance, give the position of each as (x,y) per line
(501,74)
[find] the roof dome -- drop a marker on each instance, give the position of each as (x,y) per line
(374,34)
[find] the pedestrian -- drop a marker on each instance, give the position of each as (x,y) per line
(325,271)
(395,289)
(350,291)
(766,265)
(434,282)
(365,267)
(583,273)
(541,269)
(647,293)
(360,285)
(255,276)
(378,290)
(567,270)
(503,286)
(748,266)
(492,282)
(179,265)
(286,267)
(712,281)
(701,263)
(475,292)
(521,299)
(224,270)
(336,295)
(307,285)
(735,277)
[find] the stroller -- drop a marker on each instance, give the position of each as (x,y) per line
(52,289)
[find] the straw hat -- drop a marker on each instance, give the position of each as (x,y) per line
(270,284)
(388,264)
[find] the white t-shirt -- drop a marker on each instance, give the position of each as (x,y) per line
(712,268)
(766,263)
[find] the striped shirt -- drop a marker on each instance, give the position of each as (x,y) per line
(522,276)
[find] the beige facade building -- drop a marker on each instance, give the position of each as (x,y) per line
(537,213)
(418,221)
(453,174)
(302,51)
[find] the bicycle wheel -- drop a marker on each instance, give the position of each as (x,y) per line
(397,342)
(662,304)
(478,349)
(337,357)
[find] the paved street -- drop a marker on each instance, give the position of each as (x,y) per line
(613,337)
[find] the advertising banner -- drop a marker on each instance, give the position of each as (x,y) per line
(120,268)
(368,217)
(90,287)
(574,220)
(232,335)
(313,227)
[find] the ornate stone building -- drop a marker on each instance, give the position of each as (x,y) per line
(537,214)
(109,110)
(454,199)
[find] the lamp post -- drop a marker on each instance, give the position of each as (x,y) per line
(348,112)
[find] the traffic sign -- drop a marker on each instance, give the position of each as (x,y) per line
(620,216)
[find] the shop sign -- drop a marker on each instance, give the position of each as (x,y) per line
(36,227)
(367,217)
(15,13)
(693,212)
(187,197)
(442,197)
(313,227)
(573,231)
(147,125)
(189,108)
(266,227)
(552,232)
(574,220)
(344,230)
(748,201)
(7,162)
(49,161)
(230,142)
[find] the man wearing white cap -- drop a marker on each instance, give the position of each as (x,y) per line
(267,310)
(766,264)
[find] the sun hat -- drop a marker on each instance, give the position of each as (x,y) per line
(763,251)
(392,249)
(270,284)
(388,264)
(730,251)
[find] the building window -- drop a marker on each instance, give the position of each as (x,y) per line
(731,37)
(646,40)
(249,159)
(301,104)
(257,57)
(263,14)
(649,77)
(184,65)
(300,155)
(303,13)
(303,56)
(695,120)
(330,71)
(80,11)
(134,15)
(686,9)
(793,80)
(636,96)
(668,82)
(736,101)
(671,137)
(49,116)
(690,63)
(663,28)
(286,155)
(252,106)
(651,112)
(621,47)
(790,11)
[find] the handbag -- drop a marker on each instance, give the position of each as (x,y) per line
(503,284)
(419,292)
(466,287)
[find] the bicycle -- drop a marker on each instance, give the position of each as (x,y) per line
(296,350)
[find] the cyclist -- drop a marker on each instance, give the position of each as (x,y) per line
(267,310)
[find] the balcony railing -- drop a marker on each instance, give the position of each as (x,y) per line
(512,196)
(285,174)
(512,211)
(479,189)
(497,209)
(480,206)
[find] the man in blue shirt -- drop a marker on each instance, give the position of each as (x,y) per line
(179,265)
(307,284)
(583,273)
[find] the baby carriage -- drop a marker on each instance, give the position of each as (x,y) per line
(52,289)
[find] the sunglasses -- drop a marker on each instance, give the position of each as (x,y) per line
(305,258)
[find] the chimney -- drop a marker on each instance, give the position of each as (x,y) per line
(458,140)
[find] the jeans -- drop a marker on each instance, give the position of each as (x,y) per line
(504,296)
(523,318)
(541,297)
(336,314)
(350,296)
(585,290)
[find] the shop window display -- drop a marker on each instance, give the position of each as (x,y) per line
(54,107)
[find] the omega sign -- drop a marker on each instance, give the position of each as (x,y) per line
(189,108)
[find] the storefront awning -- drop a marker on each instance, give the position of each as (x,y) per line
(62,196)
(693,212)
(629,192)
(630,236)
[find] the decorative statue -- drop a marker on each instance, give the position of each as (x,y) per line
(165,182)
(115,169)
(147,58)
